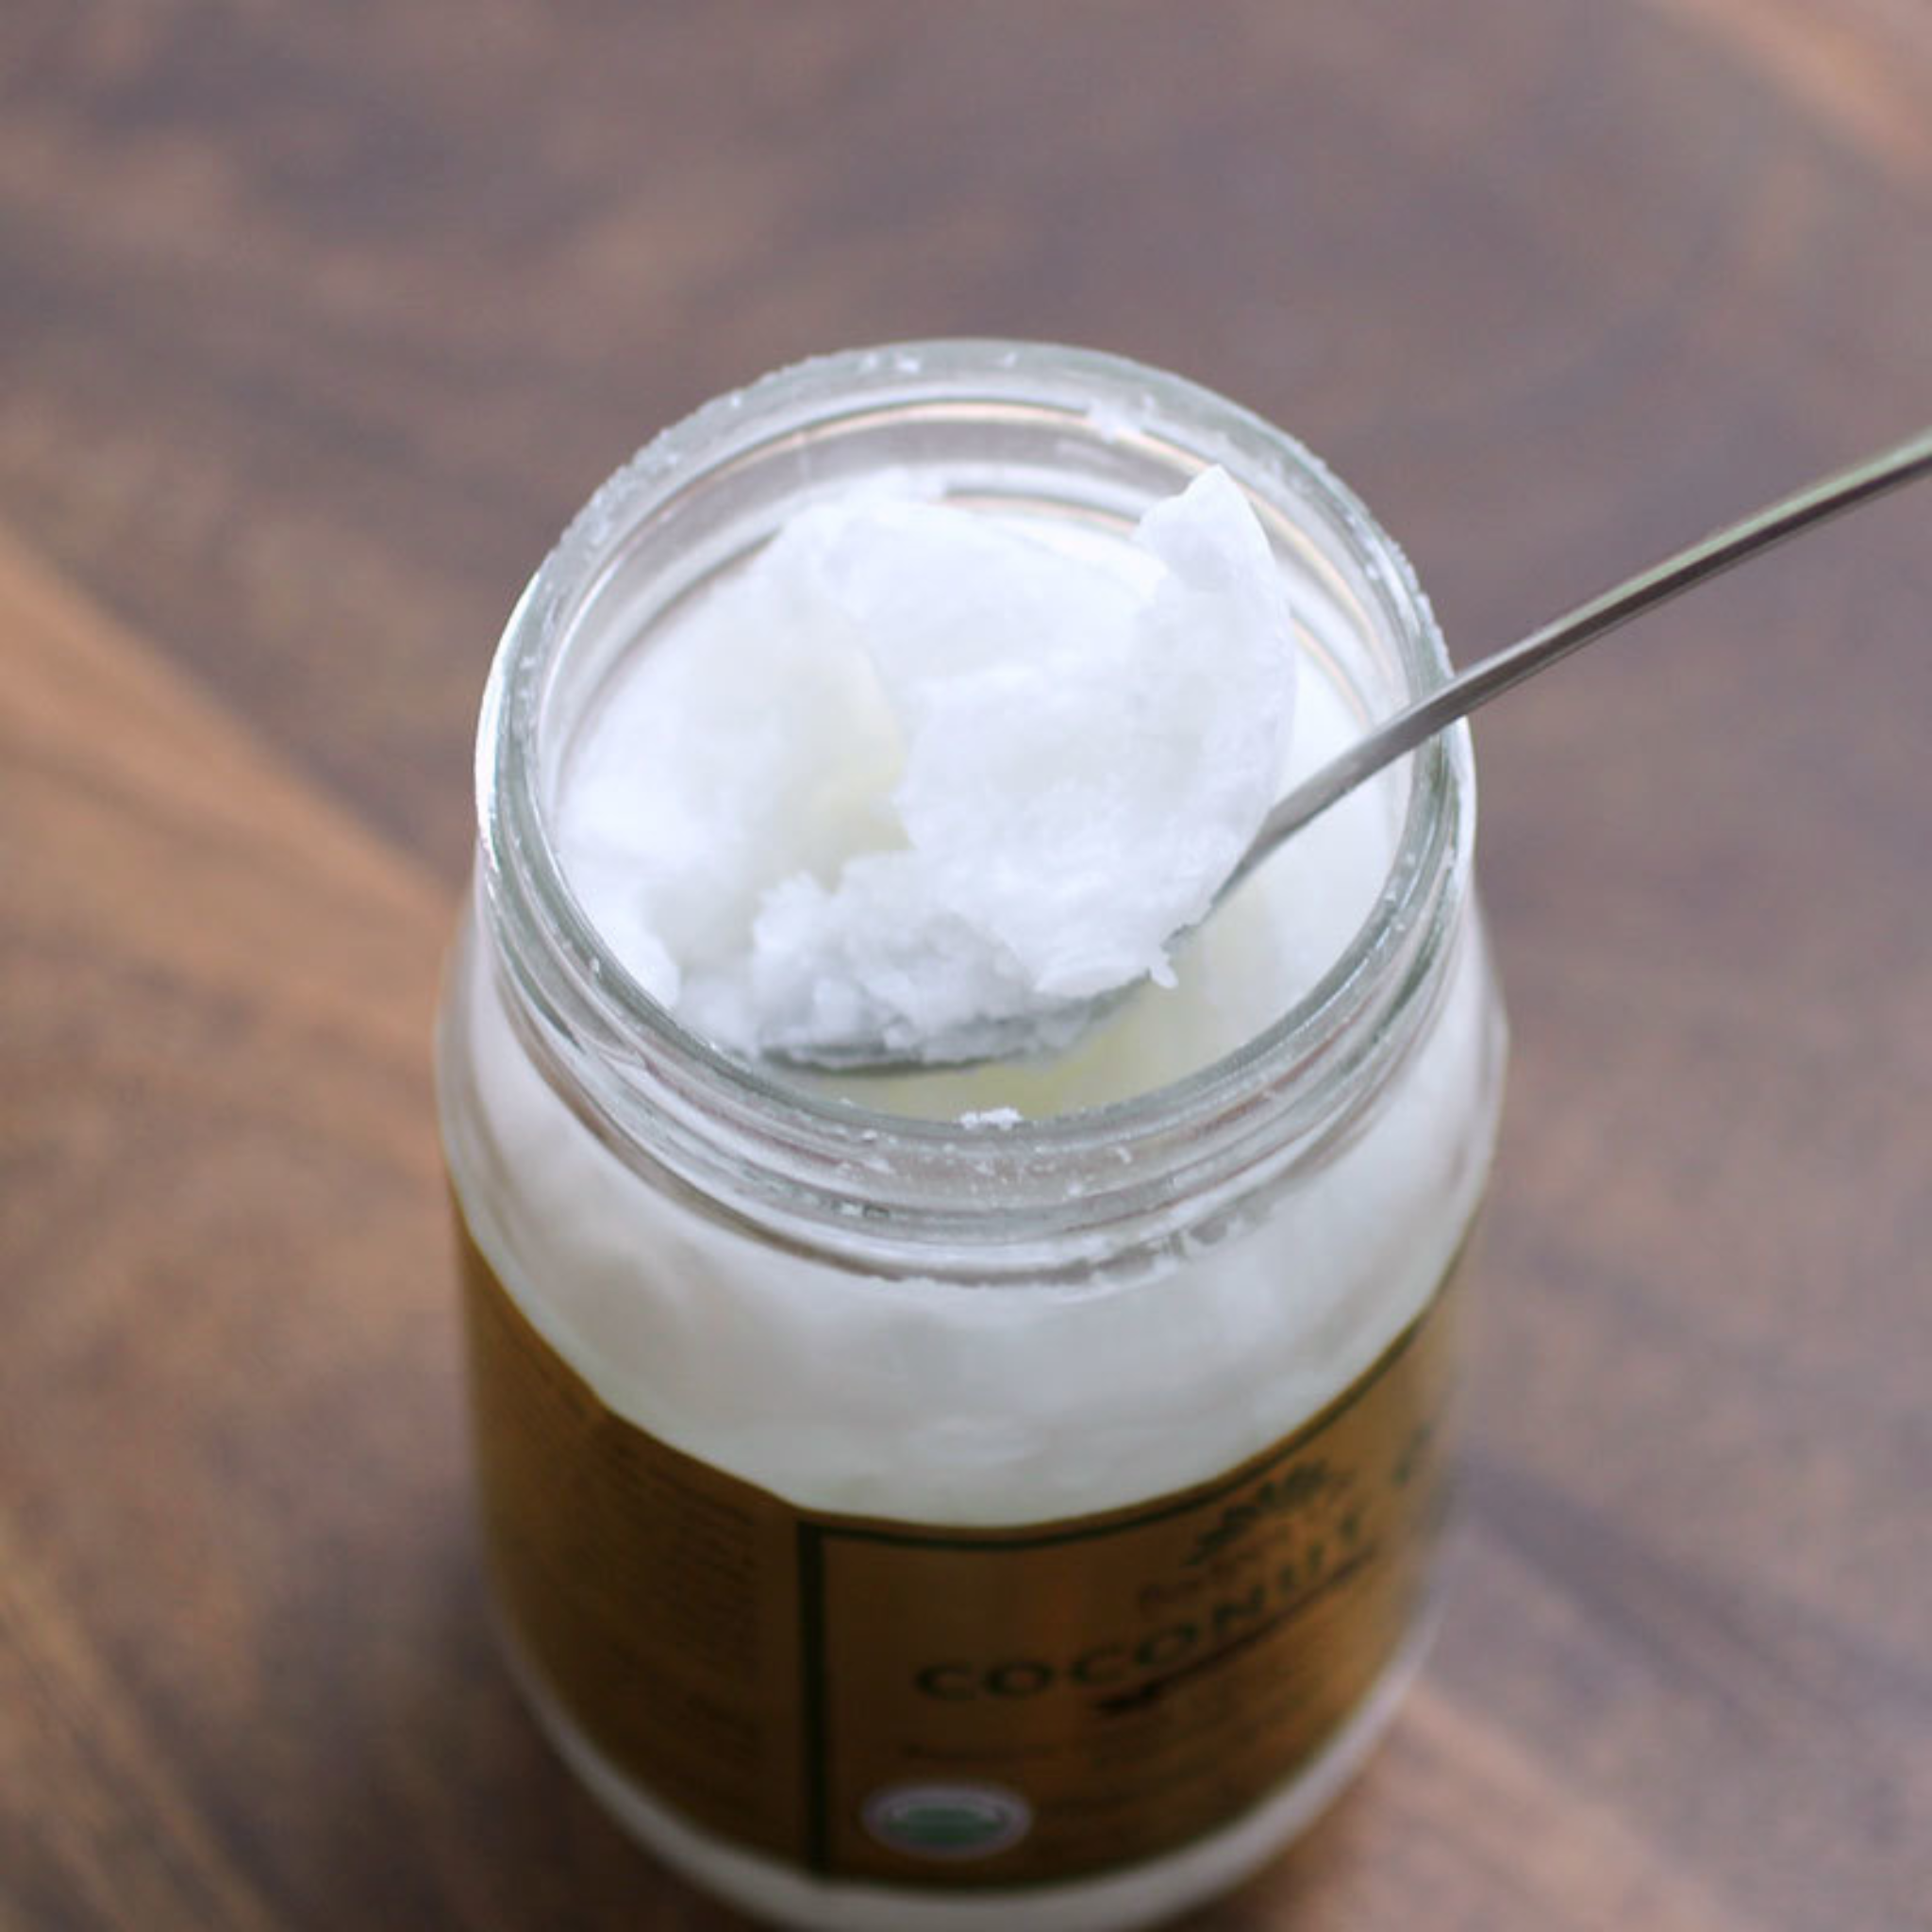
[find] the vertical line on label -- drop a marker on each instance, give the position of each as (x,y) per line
(811,1672)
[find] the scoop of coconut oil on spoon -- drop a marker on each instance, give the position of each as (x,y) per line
(1059,1023)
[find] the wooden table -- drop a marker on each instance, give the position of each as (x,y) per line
(315,324)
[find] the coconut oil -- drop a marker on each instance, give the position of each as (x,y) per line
(1000,1497)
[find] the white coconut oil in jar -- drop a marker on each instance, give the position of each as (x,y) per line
(992,1497)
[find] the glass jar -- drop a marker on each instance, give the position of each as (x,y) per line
(901,1523)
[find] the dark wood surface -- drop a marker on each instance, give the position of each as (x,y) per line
(316,323)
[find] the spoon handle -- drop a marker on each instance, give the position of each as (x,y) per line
(1493,676)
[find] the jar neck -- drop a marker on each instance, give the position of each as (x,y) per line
(1066,1197)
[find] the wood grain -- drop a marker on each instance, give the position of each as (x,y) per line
(314,325)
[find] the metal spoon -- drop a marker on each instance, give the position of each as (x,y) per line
(998,1038)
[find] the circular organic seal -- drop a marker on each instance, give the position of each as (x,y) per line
(948,1821)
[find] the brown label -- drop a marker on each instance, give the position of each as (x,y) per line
(952,1707)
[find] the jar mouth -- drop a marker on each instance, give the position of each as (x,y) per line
(813,1171)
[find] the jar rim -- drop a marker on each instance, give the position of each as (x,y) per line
(805,1169)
